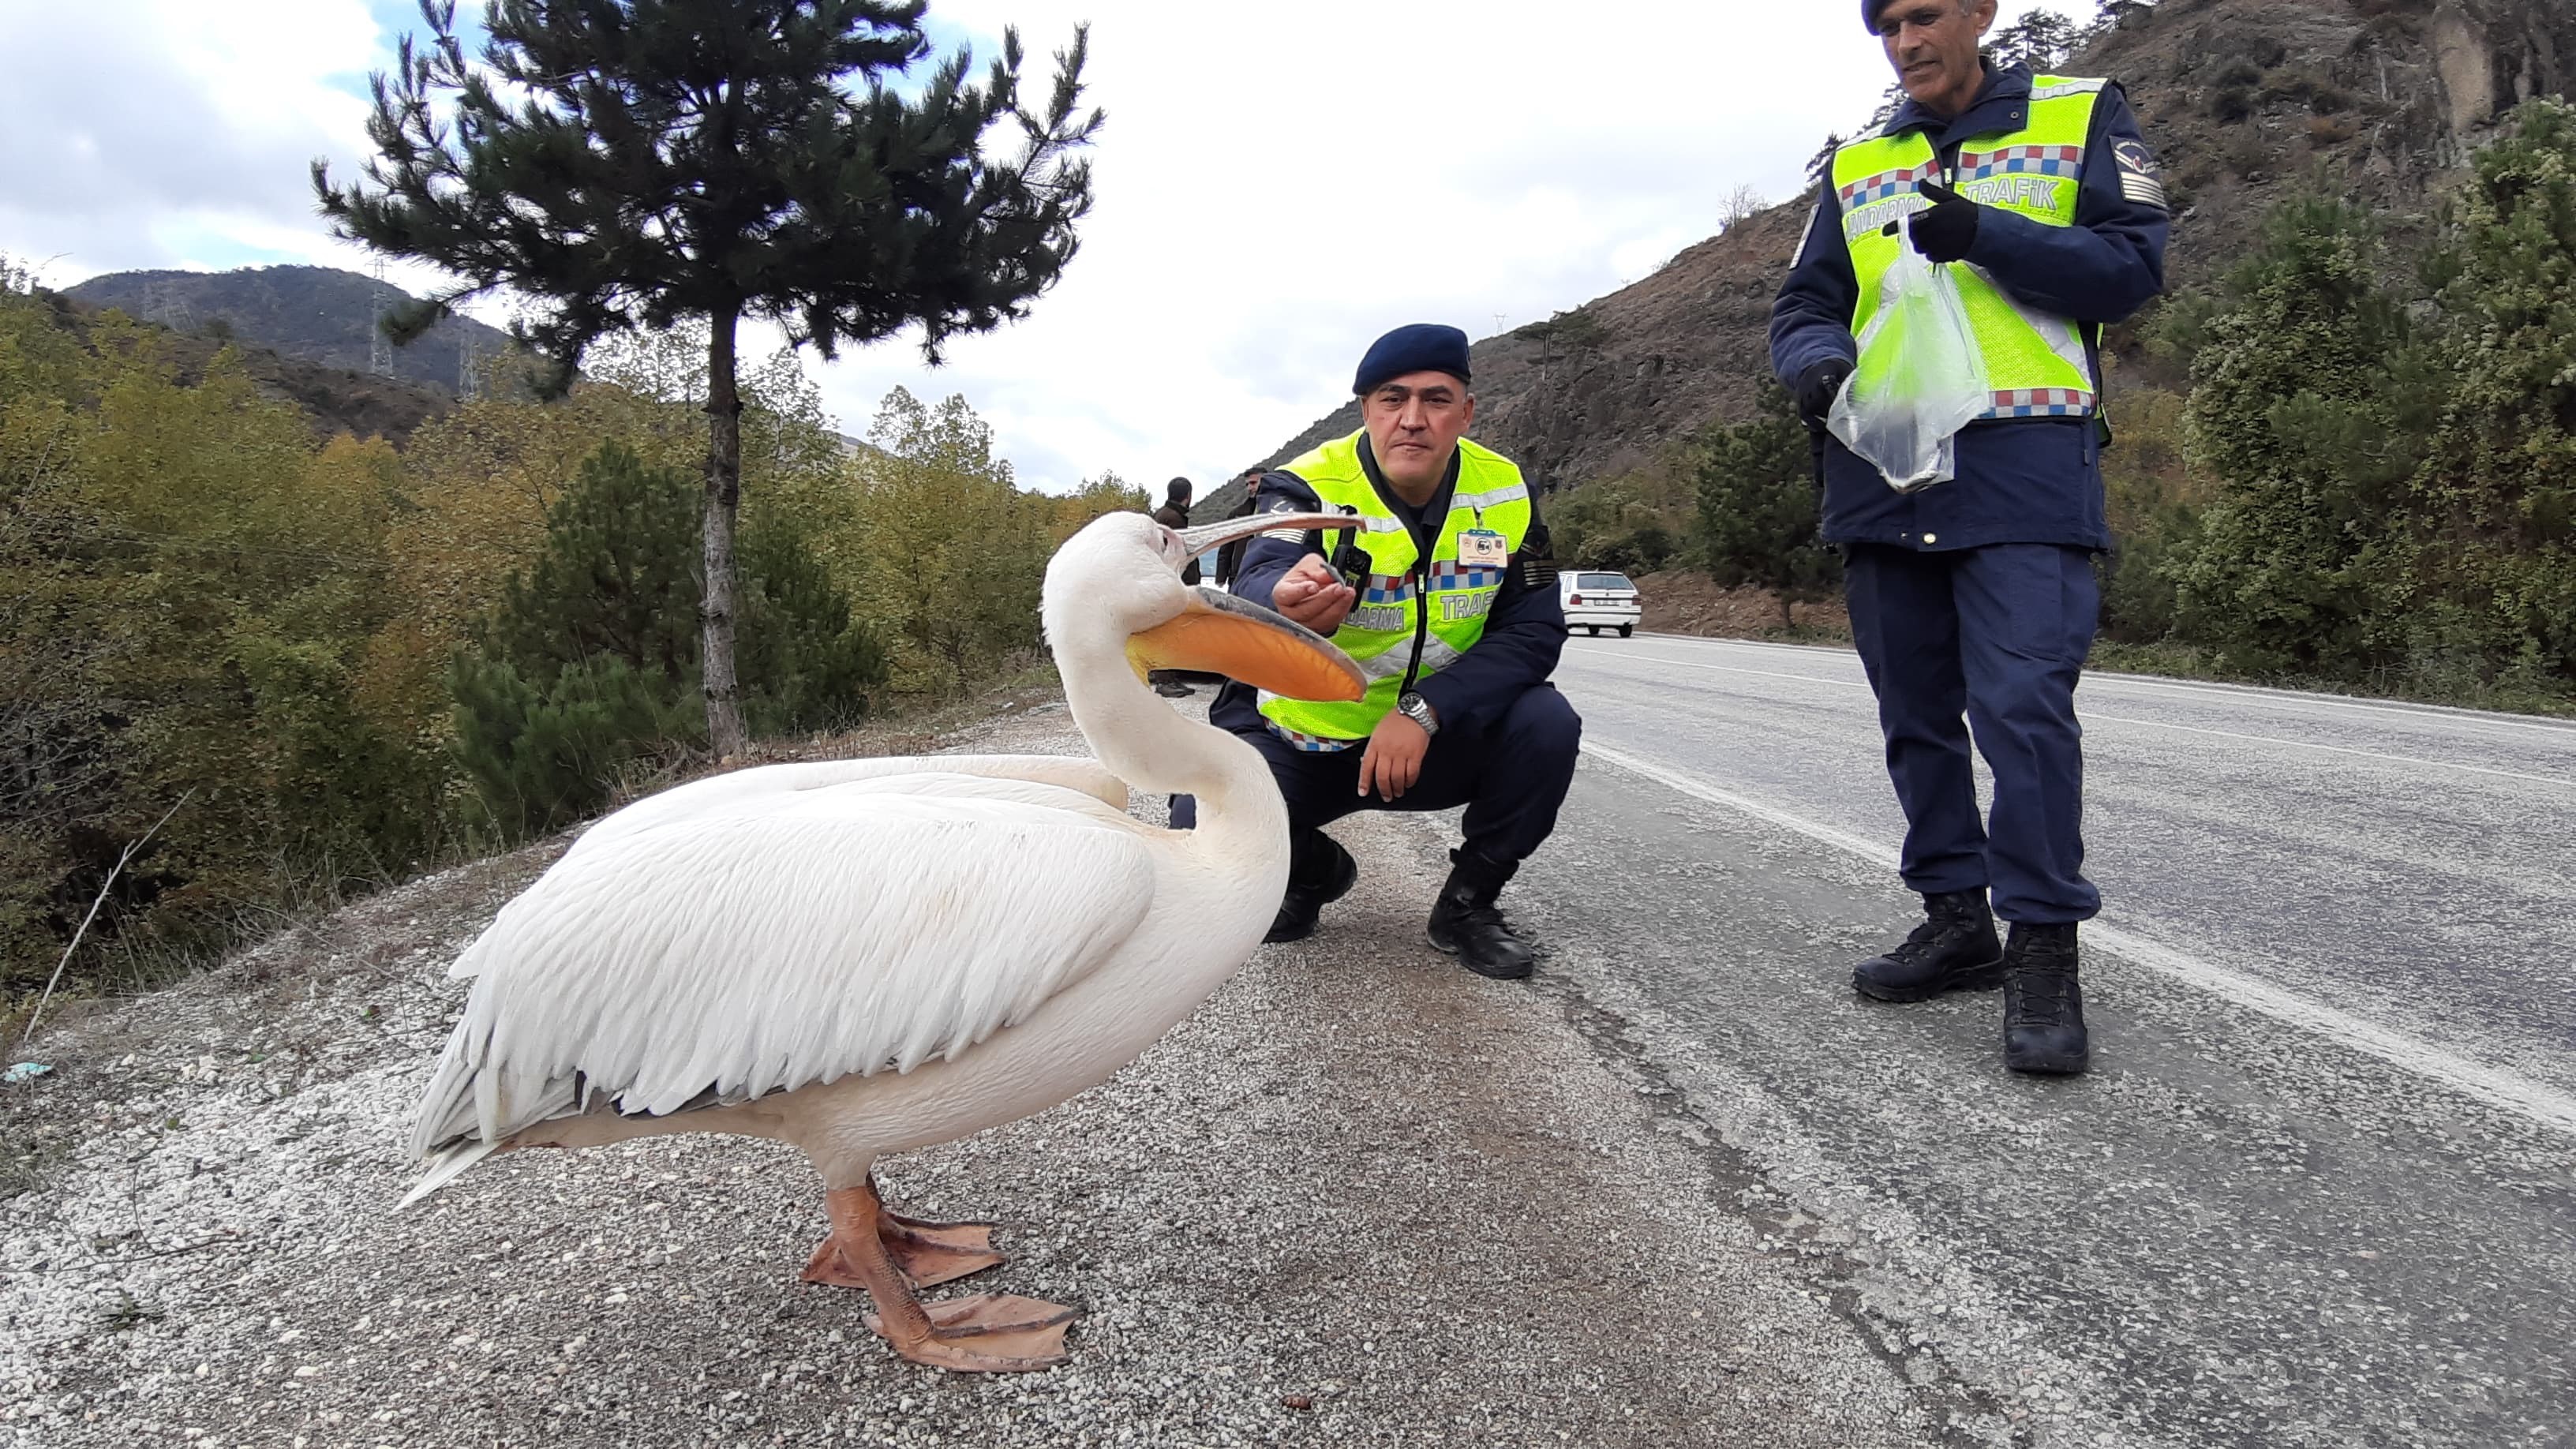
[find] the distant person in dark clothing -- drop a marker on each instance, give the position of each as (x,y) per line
(1229,557)
(1175,513)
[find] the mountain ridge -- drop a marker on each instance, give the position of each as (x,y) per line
(321,315)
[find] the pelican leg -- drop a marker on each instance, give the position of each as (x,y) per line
(929,1253)
(988,1333)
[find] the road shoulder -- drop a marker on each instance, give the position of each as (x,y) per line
(1361,1198)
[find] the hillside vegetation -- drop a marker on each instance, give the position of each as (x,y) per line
(332,662)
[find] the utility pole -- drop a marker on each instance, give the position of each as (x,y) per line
(380,352)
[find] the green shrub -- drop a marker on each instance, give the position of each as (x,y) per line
(590,663)
(2311,397)
(1758,504)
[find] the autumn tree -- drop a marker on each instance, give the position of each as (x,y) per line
(638,164)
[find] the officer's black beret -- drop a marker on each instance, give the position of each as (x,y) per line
(1419,347)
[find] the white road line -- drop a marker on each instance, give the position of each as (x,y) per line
(2495,1086)
(2089,717)
(2462,723)
(2247,696)
(2092,717)
(1757,673)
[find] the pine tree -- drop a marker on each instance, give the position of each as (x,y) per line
(1757,505)
(2040,39)
(712,160)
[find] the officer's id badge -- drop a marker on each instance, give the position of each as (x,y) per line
(1482,548)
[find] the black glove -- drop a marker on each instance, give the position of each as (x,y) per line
(1945,232)
(1818,386)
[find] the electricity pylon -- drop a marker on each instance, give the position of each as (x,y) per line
(380,349)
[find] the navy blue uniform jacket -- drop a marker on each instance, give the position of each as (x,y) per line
(1523,635)
(2027,481)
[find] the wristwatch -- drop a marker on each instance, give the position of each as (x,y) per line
(1417,709)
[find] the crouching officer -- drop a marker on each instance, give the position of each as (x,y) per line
(1442,590)
(1977,596)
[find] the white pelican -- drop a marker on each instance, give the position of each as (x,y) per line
(860,957)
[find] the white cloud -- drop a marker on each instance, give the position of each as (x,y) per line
(1277,184)
(173,132)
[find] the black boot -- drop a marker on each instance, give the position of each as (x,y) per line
(1465,923)
(2043,1004)
(1953,950)
(1319,871)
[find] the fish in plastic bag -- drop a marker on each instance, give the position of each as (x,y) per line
(1920,379)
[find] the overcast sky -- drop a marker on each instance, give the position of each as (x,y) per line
(1276,185)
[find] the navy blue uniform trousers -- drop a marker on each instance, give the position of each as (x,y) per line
(1992,639)
(1511,774)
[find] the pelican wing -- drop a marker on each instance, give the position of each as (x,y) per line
(762,784)
(775,943)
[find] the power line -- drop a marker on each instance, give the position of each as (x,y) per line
(61,531)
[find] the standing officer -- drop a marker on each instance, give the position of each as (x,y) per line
(1977,596)
(1444,593)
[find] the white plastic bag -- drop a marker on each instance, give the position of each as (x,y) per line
(1920,379)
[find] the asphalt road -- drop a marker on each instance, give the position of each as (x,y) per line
(1683,1190)
(2320,1188)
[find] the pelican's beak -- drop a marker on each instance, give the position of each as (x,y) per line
(1196,541)
(1219,633)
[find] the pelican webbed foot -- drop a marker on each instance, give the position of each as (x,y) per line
(928,1253)
(890,1256)
(988,1333)
(933,1253)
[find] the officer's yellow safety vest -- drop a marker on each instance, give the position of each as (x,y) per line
(2035,359)
(1415,615)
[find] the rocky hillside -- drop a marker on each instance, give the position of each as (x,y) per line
(2244,99)
(320,315)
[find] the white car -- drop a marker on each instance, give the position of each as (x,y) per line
(1598,601)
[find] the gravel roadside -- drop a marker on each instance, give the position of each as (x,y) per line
(1360,1198)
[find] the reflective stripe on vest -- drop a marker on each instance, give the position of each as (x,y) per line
(2035,360)
(1379,634)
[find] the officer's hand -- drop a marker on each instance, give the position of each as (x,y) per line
(1393,760)
(1310,593)
(1944,233)
(1818,386)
